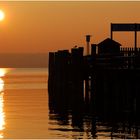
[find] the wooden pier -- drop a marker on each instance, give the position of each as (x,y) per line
(105,83)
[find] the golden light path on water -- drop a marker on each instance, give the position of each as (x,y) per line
(3,71)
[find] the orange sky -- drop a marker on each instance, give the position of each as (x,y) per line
(49,26)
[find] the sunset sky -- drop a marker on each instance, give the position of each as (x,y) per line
(36,27)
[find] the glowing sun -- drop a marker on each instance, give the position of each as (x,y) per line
(2,15)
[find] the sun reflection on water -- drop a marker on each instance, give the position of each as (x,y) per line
(1,85)
(3,71)
(2,113)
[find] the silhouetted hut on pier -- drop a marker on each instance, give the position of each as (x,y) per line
(109,46)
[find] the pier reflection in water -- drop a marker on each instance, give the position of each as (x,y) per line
(66,123)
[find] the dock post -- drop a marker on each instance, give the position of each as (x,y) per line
(77,77)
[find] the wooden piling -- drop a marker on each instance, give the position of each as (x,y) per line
(51,79)
(77,77)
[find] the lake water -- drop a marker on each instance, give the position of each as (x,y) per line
(25,112)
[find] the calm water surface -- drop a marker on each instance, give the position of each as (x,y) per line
(25,113)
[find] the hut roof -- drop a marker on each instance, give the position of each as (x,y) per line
(109,41)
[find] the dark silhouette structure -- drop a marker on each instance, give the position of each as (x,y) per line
(109,46)
(104,84)
(129,27)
